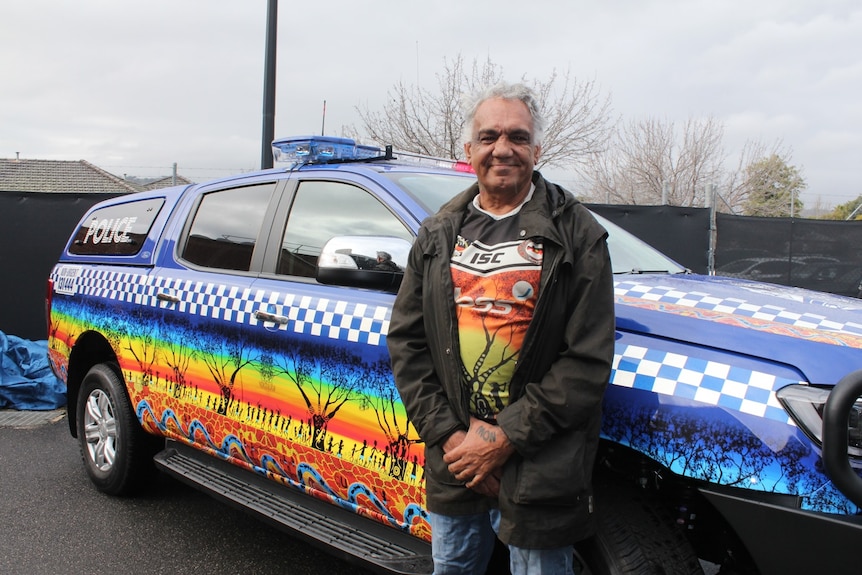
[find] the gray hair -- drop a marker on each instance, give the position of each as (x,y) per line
(505,91)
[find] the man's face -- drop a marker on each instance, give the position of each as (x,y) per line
(501,150)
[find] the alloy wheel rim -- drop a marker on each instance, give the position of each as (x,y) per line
(100,430)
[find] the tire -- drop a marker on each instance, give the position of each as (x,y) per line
(117,452)
(636,536)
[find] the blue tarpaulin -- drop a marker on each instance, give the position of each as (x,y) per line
(26,379)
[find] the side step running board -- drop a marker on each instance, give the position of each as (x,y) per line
(338,531)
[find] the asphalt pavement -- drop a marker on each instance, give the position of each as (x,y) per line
(53,521)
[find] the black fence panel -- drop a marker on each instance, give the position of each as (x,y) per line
(680,233)
(34,229)
(816,254)
(823,255)
(754,248)
(827,256)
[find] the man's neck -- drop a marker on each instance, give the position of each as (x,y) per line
(502,208)
(498,203)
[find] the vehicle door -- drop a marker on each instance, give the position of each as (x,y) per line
(202,304)
(326,398)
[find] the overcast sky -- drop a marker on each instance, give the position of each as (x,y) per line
(134,86)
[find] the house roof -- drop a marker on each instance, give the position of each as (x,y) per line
(165,182)
(80,176)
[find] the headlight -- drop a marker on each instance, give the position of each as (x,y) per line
(805,405)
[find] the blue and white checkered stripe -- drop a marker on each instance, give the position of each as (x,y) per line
(112,285)
(354,322)
(735,306)
(335,319)
(705,381)
(203,299)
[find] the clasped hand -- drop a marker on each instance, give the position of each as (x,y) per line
(477,456)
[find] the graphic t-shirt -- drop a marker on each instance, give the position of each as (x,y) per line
(496,277)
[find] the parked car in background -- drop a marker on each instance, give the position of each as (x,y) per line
(232,334)
(834,277)
(772,269)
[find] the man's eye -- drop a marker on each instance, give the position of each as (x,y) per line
(520,139)
(487,139)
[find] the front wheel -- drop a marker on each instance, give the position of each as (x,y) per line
(117,452)
(636,536)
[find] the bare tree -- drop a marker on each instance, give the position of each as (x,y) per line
(652,159)
(431,122)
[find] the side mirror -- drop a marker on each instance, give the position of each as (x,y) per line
(375,262)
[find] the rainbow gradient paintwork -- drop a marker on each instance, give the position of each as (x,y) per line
(311,409)
(313,415)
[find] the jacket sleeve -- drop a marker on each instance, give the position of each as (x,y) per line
(567,391)
(412,354)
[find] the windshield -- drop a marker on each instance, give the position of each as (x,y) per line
(629,254)
(431,190)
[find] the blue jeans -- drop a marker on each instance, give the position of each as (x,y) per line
(462,545)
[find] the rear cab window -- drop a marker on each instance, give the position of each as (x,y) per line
(224,230)
(117,230)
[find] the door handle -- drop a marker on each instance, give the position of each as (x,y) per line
(163,296)
(266,316)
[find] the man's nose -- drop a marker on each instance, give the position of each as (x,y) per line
(502,146)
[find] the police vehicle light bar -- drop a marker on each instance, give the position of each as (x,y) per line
(298,150)
(319,150)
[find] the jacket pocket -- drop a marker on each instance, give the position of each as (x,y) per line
(556,475)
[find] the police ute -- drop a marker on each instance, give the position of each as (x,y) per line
(232,334)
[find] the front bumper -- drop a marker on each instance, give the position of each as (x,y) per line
(836,435)
(787,540)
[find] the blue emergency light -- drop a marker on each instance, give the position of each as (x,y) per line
(319,150)
(301,150)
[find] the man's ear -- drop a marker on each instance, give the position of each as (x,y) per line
(536,154)
(467,152)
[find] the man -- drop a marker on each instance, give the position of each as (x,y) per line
(501,342)
(385,263)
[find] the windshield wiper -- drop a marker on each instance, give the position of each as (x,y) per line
(641,271)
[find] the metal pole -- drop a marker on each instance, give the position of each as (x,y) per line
(713,235)
(269,85)
(323,122)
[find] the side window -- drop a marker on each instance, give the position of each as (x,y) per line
(226,227)
(322,210)
(118,230)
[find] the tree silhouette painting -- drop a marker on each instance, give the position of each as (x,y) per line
(326,377)
(720,449)
(138,338)
(695,447)
(381,396)
(177,338)
(224,351)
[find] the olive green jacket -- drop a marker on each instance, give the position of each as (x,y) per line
(554,412)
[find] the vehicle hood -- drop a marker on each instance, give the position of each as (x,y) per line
(817,334)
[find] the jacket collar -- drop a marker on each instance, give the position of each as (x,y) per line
(538,215)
